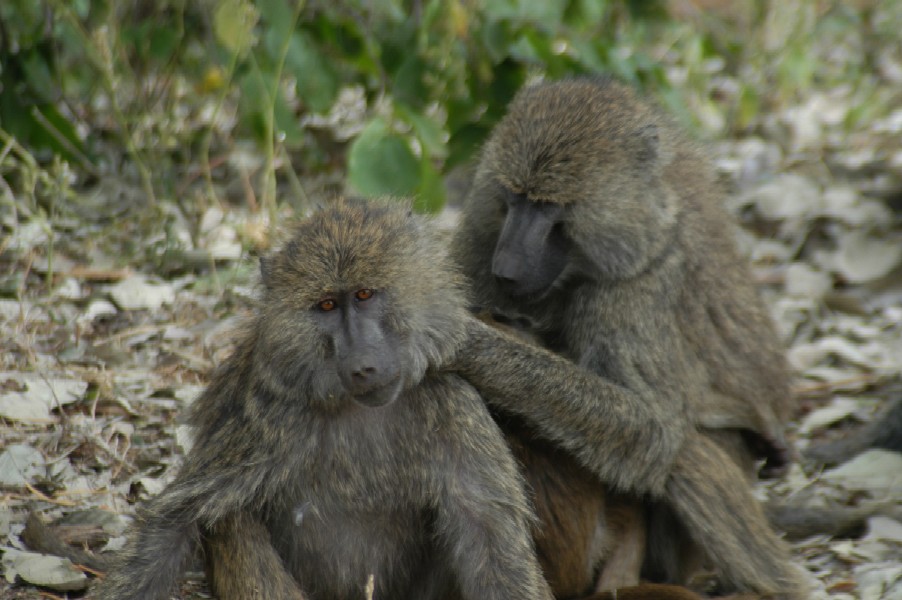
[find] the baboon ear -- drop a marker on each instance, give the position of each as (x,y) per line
(265,271)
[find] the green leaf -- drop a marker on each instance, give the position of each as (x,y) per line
(164,41)
(317,81)
(380,163)
(251,103)
(464,143)
(234,24)
(427,131)
(40,80)
(285,123)
(430,195)
(408,86)
(278,16)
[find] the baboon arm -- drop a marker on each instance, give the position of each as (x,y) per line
(490,551)
(242,563)
(167,530)
(626,439)
(483,519)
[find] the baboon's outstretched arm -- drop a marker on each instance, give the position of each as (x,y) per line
(617,433)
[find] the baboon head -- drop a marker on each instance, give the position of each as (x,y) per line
(571,185)
(357,304)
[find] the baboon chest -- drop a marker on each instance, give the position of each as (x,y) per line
(360,506)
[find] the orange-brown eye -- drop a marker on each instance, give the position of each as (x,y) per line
(364,294)
(326,305)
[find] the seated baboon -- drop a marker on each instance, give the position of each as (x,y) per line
(332,451)
(593,220)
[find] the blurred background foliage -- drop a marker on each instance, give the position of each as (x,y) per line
(290,98)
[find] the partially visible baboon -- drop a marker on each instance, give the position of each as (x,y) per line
(333,447)
(884,431)
(587,538)
(593,219)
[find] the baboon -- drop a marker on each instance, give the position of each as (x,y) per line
(332,449)
(884,431)
(594,220)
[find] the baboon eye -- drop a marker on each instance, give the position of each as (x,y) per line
(326,305)
(364,294)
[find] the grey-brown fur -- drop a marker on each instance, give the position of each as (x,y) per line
(669,379)
(298,491)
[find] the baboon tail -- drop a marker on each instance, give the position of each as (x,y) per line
(725,520)
(150,565)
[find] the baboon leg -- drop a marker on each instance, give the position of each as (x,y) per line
(626,526)
(569,502)
(242,564)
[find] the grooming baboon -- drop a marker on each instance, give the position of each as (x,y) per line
(331,448)
(592,218)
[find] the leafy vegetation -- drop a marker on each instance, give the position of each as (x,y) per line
(81,78)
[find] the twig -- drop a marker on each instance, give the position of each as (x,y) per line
(45,498)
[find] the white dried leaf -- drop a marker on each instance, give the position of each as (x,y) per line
(840,380)
(877,471)
(184,437)
(39,397)
(174,333)
(137,292)
(20,464)
(770,251)
(786,196)
(845,204)
(187,394)
(222,243)
(69,289)
(211,219)
(12,310)
(884,528)
(98,308)
(881,581)
(43,570)
(805,125)
(838,410)
(790,313)
(153,486)
(892,123)
(805,356)
(862,257)
(801,280)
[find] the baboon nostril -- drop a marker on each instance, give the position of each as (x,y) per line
(363,372)
(507,282)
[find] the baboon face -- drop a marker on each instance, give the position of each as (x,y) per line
(366,352)
(347,314)
(575,169)
(532,247)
